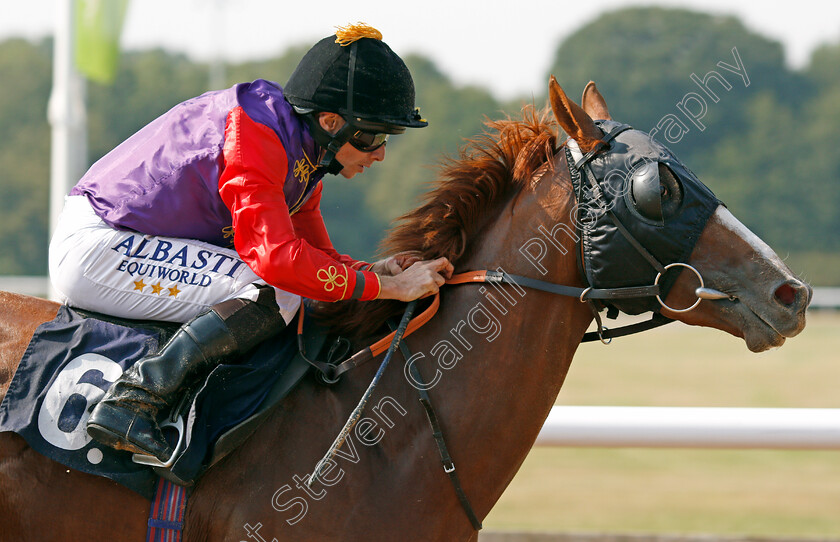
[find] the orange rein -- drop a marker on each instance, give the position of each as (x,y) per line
(421,319)
(416,323)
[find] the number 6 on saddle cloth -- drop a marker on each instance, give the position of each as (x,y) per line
(72,360)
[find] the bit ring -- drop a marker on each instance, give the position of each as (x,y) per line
(659,276)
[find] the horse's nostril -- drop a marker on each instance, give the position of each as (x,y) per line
(786,294)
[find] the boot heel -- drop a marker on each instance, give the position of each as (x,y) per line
(127,430)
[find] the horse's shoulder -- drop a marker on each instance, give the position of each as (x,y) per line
(19,316)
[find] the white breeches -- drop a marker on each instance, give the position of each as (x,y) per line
(130,275)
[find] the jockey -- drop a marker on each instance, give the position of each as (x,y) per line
(209,216)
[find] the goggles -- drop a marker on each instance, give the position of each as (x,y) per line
(367,141)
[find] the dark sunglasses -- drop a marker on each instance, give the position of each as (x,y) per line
(367,141)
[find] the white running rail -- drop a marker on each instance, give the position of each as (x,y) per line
(688,427)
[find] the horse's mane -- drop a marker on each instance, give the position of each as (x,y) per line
(489,170)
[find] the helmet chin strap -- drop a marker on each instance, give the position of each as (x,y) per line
(329,142)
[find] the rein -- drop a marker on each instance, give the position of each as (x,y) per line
(331,372)
(357,412)
(577,169)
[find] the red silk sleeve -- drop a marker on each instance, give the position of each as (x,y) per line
(251,185)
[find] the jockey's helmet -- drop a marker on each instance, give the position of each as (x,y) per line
(355,74)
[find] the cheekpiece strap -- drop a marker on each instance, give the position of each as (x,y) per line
(601,144)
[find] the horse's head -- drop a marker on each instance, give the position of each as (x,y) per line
(646,219)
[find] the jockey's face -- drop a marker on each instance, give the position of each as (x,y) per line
(353,160)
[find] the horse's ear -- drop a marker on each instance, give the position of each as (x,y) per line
(572,118)
(593,103)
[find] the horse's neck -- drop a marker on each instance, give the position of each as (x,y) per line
(522,341)
(493,360)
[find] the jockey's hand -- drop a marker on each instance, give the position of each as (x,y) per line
(396,264)
(420,279)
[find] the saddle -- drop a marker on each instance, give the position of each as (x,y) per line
(314,338)
(72,360)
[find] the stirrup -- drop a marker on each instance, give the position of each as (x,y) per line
(152,461)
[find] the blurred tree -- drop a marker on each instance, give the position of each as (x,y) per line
(822,69)
(643,59)
(767,150)
(24,156)
(276,69)
(818,162)
(780,171)
(755,174)
(147,85)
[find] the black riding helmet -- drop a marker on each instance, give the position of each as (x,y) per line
(355,74)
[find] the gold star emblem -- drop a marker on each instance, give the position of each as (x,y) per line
(174,291)
(156,288)
(139,285)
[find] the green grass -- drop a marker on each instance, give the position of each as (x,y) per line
(726,492)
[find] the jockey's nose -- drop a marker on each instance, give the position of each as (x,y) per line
(379,154)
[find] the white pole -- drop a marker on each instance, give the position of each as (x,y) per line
(66,114)
(682,427)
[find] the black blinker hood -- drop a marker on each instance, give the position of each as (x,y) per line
(609,259)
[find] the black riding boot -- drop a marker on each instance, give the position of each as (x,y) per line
(126,418)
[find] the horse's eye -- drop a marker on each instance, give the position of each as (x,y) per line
(655,194)
(646,192)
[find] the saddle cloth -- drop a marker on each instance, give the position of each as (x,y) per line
(72,361)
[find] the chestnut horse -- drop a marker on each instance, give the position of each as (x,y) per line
(493,359)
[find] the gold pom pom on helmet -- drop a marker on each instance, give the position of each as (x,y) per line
(355,74)
(345,35)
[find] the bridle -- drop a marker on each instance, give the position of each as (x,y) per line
(579,169)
